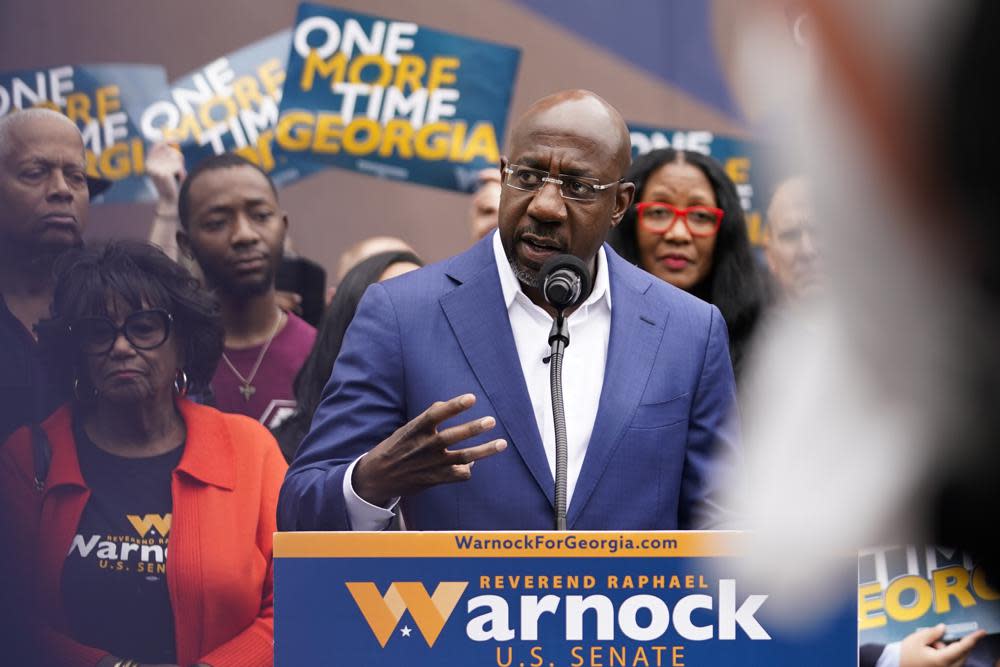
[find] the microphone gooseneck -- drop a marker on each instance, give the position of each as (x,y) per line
(565,283)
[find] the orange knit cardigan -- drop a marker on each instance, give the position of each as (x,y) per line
(219,576)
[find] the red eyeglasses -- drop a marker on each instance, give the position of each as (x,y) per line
(659,217)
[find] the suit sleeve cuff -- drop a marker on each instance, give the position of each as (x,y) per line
(362,514)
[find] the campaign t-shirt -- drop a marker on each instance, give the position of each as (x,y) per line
(272,398)
(114,580)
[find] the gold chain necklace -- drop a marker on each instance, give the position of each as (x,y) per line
(247,388)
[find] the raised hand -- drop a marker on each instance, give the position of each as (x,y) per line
(165,167)
(417,455)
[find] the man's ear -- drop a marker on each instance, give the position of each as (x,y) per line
(623,199)
(184,242)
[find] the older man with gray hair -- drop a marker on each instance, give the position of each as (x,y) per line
(44,198)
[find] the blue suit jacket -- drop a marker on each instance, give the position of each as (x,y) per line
(663,435)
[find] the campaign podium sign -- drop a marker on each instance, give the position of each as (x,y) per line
(535,599)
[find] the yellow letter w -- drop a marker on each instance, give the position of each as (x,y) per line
(429,612)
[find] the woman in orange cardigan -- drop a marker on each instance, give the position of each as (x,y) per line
(141,521)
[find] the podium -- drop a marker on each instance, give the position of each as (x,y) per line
(536,599)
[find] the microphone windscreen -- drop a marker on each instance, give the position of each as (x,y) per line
(565,281)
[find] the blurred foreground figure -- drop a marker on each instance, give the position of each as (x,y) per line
(873,410)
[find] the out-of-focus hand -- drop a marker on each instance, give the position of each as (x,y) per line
(924,648)
(165,167)
(417,457)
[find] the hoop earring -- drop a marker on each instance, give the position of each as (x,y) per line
(181,383)
(76,391)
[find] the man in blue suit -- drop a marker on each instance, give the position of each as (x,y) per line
(439,402)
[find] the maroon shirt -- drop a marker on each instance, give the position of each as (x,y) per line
(273,398)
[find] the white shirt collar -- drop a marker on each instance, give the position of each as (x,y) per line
(511,286)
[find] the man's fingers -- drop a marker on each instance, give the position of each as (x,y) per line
(443,410)
(956,653)
(473,454)
(461,472)
(465,459)
(456,434)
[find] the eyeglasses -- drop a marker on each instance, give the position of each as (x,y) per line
(578,188)
(659,217)
(143,329)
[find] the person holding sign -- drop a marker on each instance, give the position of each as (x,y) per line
(438,404)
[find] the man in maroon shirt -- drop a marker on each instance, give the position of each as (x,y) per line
(232,224)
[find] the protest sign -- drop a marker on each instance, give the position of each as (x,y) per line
(229,105)
(394,99)
(904,588)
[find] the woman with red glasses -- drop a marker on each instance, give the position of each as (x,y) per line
(687,227)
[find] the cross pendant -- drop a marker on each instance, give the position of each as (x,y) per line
(248,390)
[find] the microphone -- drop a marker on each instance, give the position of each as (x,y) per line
(565,281)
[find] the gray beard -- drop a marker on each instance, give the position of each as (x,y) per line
(524,276)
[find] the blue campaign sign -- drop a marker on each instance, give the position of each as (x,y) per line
(535,600)
(393,99)
(736,156)
(904,588)
(229,105)
(106,102)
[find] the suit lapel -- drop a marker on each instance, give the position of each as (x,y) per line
(636,331)
(478,315)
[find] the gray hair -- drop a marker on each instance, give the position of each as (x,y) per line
(10,124)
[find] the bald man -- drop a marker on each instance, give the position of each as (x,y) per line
(43,210)
(365,248)
(445,368)
(790,242)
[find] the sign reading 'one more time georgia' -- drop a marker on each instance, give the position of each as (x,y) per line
(393,98)
(534,600)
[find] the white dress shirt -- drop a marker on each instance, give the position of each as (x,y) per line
(583,377)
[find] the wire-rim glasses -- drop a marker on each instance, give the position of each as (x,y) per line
(578,188)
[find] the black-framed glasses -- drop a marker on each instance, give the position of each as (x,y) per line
(143,329)
(579,188)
